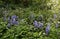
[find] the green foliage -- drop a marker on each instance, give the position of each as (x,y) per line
(28,11)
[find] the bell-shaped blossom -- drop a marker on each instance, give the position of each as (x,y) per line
(14,17)
(47,29)
(35,23)
(12,21)
(15,22)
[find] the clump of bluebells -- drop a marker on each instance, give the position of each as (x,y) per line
(38,24)
(41,24)
(12,20)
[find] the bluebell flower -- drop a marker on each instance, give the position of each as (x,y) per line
(12,21)
(35,23)
(40,25)
(15,22)
(14,17)
(47,29)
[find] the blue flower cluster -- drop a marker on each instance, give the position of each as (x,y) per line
(12,20)
(40,25)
